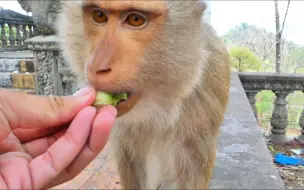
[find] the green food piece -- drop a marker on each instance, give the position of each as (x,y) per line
(119,97)
(104,98)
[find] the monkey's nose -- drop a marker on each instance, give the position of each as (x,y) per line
(104,71)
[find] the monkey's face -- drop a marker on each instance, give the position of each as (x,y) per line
(119,32)
(147,49)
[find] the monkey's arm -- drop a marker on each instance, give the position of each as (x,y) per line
(194,163)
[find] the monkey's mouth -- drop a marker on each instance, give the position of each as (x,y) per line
(111,98)
(123,101)
(120,97)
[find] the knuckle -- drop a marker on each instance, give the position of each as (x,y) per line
(55,102)
(49,158)
(68,136)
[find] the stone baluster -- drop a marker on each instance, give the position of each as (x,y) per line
(11,35)
(301,122)
(24,31)
(35,31)
(251,95)
(18,35)
(30,34)
(279,120)
(3,36)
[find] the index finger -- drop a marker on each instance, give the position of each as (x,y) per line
(32,111)
(59,155)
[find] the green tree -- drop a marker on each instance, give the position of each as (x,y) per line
(296,60)
(243,59)
(264,105)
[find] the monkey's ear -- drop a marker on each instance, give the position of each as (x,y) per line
(200,7)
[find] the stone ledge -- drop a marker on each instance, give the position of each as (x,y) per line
(243,160)
(27,91)
(272,81)
(49,43)
(21,65)
(24,54)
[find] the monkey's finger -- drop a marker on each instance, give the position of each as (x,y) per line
(60,155)
(98,139)
(31,111)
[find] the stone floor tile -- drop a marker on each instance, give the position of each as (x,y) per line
(105,178)
(96,164)
(77,182)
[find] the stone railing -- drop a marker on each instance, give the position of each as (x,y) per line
(281,85)
(15,29)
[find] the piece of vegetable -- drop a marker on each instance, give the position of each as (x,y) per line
(104,98)
(117,98)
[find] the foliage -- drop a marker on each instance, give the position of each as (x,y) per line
(6,28)
(262,44)
(264,105)
(244,40)
(243,59)
(296,60)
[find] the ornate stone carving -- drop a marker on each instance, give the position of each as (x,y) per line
(68,84)
(44,73)
(44,14)
(39,43)
(53,73)
(270,81)
(63,63)
(279,120)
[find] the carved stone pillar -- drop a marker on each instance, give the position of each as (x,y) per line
(251,95)
(18,35)
(279,120)
(3,36)
(301,122)
(53,75)
(11,35)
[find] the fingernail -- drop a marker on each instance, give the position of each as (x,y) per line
(113,111)
(82,92)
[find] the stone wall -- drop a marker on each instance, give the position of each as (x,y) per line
(17,72)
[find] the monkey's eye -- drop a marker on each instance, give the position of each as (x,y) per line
(135,20)
(99,16)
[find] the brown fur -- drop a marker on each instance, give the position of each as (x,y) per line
(168,139)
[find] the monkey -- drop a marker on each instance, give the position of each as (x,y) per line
(175,70)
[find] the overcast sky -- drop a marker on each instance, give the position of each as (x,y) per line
(226,14)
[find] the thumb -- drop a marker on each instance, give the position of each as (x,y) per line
(32,111)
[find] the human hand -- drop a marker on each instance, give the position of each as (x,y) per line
(37,149)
